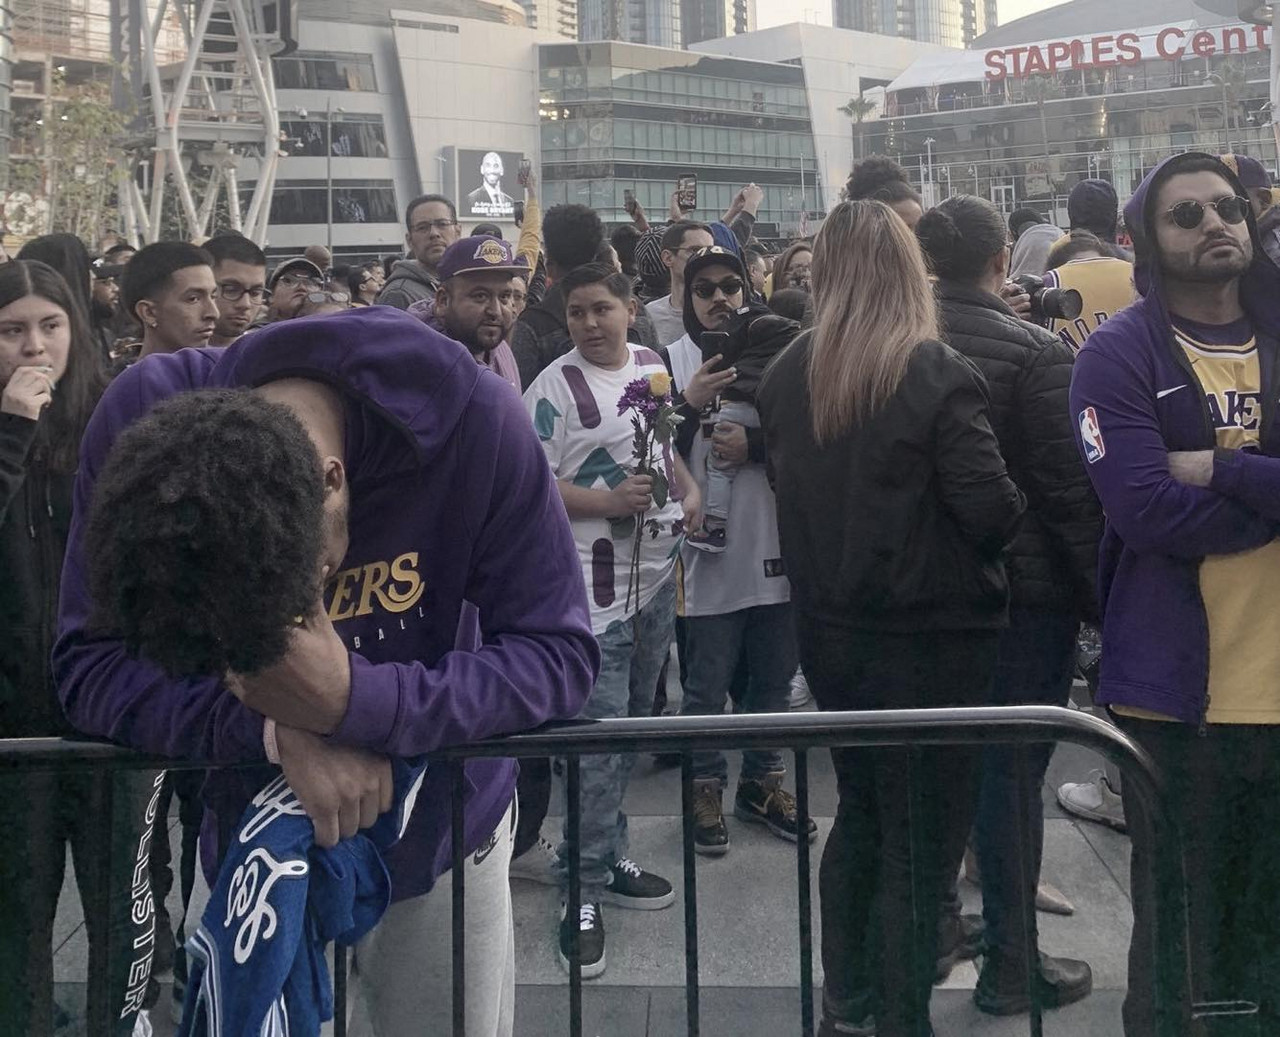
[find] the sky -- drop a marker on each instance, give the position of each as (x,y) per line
(780,12)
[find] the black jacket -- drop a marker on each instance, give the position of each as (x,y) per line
(35,515)
(1053,562)
(540,336)
(756,336)
(899,525)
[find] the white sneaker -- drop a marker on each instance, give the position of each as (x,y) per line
(801,698)
(539,863)
(1093,800)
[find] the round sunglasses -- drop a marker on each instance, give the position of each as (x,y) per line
(1189,214)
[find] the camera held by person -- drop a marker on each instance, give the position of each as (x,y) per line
(1050,303)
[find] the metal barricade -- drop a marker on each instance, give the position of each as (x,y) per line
(800,732)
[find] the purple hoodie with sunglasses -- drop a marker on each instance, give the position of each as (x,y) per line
(1129,415)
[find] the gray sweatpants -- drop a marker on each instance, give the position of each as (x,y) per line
(719,493)
(402,975)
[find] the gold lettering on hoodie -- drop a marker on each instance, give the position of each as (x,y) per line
(395,585)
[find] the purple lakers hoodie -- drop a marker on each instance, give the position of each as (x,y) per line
(1135,399)
(454,515)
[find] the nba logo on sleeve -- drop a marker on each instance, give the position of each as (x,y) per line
(1091,436)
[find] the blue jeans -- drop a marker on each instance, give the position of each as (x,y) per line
(766,635)
(1033,668)
(632,652)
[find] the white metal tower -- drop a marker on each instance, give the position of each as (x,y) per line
(216,106)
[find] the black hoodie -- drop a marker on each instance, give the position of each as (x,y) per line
(35,515)
(756,336)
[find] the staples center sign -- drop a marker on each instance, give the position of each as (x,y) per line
(1126,48)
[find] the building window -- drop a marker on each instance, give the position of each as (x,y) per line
(354,136)
(353,202)
(301,71)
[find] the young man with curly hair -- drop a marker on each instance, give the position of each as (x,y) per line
(348,547)
(573,235)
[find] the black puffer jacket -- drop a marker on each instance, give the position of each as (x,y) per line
(35,514)
(1053,562)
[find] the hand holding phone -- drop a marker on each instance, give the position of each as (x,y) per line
(629,201)
(687,193)
(712,344)
(526,167)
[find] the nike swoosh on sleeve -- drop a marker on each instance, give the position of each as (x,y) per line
(1165,392)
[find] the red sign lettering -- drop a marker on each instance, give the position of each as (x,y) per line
(1107,50)
(1128,48)
(1162,44)
(1203,45)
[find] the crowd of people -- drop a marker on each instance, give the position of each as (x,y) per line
(324,521)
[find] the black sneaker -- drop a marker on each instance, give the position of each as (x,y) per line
(590,939)
(631,886)
(847,1017)
(766,802)
(832,1027)
(710,836)
(712,541)
(1003,989)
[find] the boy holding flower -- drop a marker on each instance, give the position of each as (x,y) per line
(603,415)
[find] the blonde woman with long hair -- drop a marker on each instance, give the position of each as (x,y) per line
(893,506)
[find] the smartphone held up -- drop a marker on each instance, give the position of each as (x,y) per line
(687,193)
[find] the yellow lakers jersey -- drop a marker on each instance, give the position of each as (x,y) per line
(1105,285)
(1241,592)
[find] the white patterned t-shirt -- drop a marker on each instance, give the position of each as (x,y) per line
(574,407)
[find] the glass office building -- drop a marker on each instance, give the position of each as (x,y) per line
(655,22)
(952,23)
(617,117)
(1023,119)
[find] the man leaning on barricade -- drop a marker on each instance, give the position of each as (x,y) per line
(289,562)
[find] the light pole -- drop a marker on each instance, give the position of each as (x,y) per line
(930,194)
(1221,80)
(329,113)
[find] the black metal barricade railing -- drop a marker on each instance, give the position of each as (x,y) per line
(800,732)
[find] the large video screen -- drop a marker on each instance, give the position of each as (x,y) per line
(487,184)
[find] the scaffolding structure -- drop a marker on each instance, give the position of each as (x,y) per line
(215,107)
(196,77)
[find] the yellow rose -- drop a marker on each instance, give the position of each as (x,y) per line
(660,384)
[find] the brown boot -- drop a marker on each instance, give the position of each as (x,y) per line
(710,836)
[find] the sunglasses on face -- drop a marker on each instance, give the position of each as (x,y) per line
(1188,215)
(707,289)
(319,297)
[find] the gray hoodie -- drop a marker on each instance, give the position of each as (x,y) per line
(409,282)
(1031,253)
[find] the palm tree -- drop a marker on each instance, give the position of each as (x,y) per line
(858,109)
